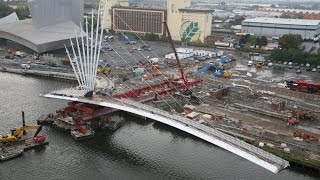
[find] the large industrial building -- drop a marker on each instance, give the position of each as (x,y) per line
(186,23)
(279,26)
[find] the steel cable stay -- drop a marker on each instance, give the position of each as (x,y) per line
(153,53)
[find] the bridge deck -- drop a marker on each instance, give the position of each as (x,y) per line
(230,143)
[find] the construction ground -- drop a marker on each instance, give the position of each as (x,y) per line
(250,104)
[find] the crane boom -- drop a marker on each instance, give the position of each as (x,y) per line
(185,81)
(25,128)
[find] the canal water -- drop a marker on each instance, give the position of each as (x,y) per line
(141,149)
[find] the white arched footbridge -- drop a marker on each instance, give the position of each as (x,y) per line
(211,135)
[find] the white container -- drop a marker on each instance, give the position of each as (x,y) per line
(287,150)
(261,144)
(283,145)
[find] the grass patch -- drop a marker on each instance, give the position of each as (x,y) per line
(294,157)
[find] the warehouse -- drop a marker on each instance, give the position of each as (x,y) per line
(276,27)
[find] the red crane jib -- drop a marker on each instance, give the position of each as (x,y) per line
(174,89)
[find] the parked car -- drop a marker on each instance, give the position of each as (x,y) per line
(25,66)
(290,67)
(285,63)
(318,67)
(200,58)
(298,71)
(308,69)
(20,54)
(314,70)
(307,65)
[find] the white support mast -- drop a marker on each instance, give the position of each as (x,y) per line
(85,60)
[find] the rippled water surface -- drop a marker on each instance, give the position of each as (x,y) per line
(138,150)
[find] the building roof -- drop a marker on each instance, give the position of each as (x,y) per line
(197,9)
(40,40)
(305,22)
(9,19)
(290,10)
(138,8)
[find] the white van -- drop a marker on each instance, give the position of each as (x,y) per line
(250,63)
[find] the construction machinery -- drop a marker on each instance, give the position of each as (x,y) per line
(303,86)
(305,115)
(227,74)
(104,69)
(259,64)
(15,133)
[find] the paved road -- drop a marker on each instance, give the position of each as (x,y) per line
(121,56)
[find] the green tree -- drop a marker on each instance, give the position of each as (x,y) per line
(244,39)
(258,42)
(5,10)
(252,40)
(290,41)
(151,37)
(22,12)
(264,41)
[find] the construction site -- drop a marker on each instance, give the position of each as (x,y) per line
(201,89)
(216,92)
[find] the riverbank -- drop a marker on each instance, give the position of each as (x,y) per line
(296,158)
(39,73)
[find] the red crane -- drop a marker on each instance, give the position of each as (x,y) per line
(185,81)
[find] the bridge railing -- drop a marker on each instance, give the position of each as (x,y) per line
(230,139)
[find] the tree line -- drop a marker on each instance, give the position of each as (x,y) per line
(22,11)
(291,49)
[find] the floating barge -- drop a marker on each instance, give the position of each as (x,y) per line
(15,149)
(10,154)
(81,118)
(82,132)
